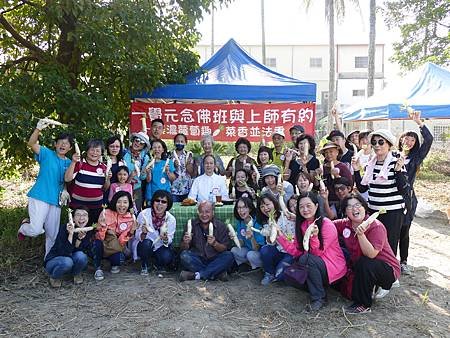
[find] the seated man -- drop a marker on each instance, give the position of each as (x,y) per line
(209,185)
(205,255)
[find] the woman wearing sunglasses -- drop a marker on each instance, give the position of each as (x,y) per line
(154,236)
(386,182)
(371,259)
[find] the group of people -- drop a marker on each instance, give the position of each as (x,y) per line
(301,211)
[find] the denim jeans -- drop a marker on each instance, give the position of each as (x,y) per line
(115,259)
(208,268)
(61,265)
(317,276)
(163,257)
(275,261)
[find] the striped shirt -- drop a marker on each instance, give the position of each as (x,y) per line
(384,193)
(87,185)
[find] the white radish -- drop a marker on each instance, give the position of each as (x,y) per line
(365,225)
(311,185)
(150,164)
(175,157)
(273,233)
(284,208)
(211,229)
(137,168)
(233,235)
(216,132)
(189,227)
(331,169)
(108,163)
(233,193)
(144,124)
(165,165)
(77,148)
(355,152)
(145,225)
(64,197)
(249,226)
(85,229)
(308,234)
(321,184)
(46,120)
(69,214)
(257,173)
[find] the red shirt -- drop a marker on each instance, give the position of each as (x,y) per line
(377,236)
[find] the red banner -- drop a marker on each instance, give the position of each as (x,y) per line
(226,122)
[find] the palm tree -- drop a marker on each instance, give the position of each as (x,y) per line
(263,34)
(371,65)
(334,9)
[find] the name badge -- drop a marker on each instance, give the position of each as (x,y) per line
(346,233)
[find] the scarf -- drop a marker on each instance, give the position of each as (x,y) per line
(157,222)
(382,175)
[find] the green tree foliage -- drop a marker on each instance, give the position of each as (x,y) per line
(425,31)
(77,61)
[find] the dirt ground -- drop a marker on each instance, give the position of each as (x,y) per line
(128,304)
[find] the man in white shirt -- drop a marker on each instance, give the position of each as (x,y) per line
(209,185)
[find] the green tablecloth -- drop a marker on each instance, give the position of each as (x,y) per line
(183,213)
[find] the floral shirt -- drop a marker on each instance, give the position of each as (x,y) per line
(183,182)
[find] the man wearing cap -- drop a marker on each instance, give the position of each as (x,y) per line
(136,159)
(295,132)
(342,188)
(272,185)
(338,137)
(279,148)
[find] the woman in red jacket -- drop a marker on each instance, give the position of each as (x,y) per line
(371,259)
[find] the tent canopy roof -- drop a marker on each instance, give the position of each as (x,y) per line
(427,90)
(232,74)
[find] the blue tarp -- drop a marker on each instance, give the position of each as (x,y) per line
(232,74)
(427,90)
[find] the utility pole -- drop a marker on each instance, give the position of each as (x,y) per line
(263,34)
(212,28)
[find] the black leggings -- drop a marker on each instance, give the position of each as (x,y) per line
(393,221)
(368,273)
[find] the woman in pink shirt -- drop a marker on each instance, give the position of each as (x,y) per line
(371,259)
(324,260)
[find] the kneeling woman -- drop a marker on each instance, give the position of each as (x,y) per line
(371,258)
(68,254)
(116,227)
(324,261)
(155,235)
(275,258)
(244,212)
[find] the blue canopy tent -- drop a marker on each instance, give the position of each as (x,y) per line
(427,90)
(233,75)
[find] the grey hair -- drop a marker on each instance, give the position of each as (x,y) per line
(206,138)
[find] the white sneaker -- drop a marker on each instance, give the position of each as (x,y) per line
(144,271)
(99,275)
(381,293)
(396,284)
(115,269)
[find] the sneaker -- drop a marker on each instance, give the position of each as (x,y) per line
(396,284)
(381,293)
(78,279)
(186,275)
(115,269)
(406,270)
(268,278)
(55,283)
(316,305)
(356,309)
(144,271)
(99,275)
(223,277)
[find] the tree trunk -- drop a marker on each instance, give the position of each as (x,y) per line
(371,65)
(263,34)
(332,73)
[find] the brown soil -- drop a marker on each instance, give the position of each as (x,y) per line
(128,304)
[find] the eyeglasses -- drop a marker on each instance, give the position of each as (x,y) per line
(354,206)
(380,142)
(161,201)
